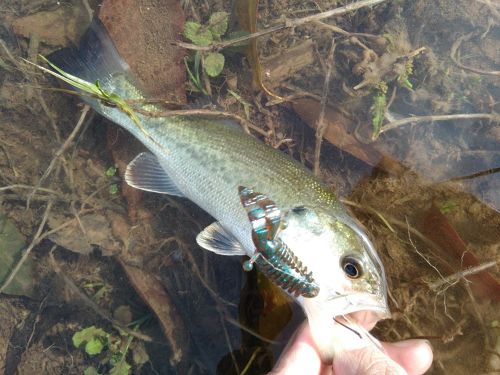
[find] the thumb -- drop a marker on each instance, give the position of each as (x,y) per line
(368,360)
(413,357)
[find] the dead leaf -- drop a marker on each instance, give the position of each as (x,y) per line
(59,27)
(82,237)
(339,132)
(438,229)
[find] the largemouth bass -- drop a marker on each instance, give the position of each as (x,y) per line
(266,205)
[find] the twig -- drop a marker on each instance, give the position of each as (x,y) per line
(321,125)
(228,342)
(21,186)
(478,313)
(88,9)
(463,116)
(59,152)
(372,210)
(250,361)
(36,240)
(10,56)
(245,124)
(454,56)
(251,332)
(338,30)
(285,25)
(461,275)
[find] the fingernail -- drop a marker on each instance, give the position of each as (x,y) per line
(412,342)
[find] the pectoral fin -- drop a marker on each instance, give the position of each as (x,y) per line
(146,173)
(216,239)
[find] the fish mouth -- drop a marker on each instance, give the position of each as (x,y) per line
(360,302)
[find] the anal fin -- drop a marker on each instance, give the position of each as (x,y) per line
(216,239)
(146,173)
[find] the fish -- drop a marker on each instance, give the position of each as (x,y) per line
(266,205)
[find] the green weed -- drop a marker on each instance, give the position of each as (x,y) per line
(205,35)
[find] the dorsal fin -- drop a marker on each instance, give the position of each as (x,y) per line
(146,173)
(216,239)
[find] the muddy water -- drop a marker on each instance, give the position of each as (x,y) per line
(111,247)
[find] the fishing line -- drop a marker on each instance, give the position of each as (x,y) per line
(368,335)
(349,328)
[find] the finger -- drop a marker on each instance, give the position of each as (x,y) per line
(300,356)
(415,356)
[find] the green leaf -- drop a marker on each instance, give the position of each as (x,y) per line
(214,63)
(377,110)
(448,207)
(12,243)
(88,334)
(90,371)
(93,89)
(113,189)
(217,24)
(94,346)
(111,171)
(197,34)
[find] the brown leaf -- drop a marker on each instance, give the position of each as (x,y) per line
(59,27)
(82,235)
(439,230)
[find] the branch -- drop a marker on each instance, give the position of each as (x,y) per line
(285,25)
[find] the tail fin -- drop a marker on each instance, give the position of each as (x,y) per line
(95,59)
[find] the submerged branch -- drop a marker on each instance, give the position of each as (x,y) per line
(461,275)
(463,116)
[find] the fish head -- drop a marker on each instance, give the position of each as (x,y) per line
(342,260)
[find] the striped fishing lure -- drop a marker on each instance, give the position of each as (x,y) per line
(272,256)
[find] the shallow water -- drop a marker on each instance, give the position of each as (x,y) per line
(220,318)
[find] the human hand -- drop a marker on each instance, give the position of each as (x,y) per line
(412,357)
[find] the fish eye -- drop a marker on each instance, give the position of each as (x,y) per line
(352,267)
(299,210)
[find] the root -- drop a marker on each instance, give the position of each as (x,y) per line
(454,56)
